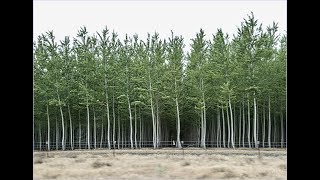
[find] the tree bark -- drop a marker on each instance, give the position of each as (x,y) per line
(269,127)
(264,125)
(57,134)
(94,129)
(130,121)
(249,124)
(178,116)
(108,113)
(62,122)
(255,122)
(114,120)
(40,141)
(135,127)
(243,124)
(101,134)
(228,125)
(71,135)
(223,130)
(153,115)
(88,125)
(240,115)
(119,129)
(218,128)
(48,140)
(231,118)
(178,124)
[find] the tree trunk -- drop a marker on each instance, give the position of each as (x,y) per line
(281,125)
(269,127)
(79,132)
(239,125)
(40,138)
(153,116)
(119,129)
(79,135)
(231,118)
(101,134)
(158,124)
(201,136)
(108,113)
(264,125)
(140,130)
(218,128)
(94,129)
(228,124)
(62,122)
(255,122)
(71,143)
(223,130)
(88,126)
(130,118)
(57,134)
(243,124)
(204,123)
(135,126)
(48,140)
(114,121)
(249,124)
(178,115)
(178,124)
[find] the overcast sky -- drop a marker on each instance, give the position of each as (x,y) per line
(183,17)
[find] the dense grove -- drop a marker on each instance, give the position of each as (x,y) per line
(102,92)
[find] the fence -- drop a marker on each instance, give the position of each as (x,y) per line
(149,144)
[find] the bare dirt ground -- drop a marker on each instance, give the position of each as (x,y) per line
(167,163)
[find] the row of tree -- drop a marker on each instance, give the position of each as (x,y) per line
(98,91)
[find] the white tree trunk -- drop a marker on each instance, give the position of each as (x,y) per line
(88,126)
(218,128)
(223,130)
(204,123)
(228,124)
(255,122)
(48,140)
(79,134)
(231,118)
(94,129)
(178,124)
(178,115)
(249,124)
(130,118)
(71,135)
(119,129)
(135,126)
(153,116)
(281,124)
(158,124)
(264,125)
(57,134)
(101,134)
(140,130)
(62,122)
(243,124)
(269,127)
(40,138)
(108,113)
(240,115)
(114,121)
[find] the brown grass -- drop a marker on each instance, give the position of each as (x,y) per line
(147,164)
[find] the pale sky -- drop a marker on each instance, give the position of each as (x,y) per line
(183,17)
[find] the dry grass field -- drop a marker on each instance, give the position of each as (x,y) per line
(167,163)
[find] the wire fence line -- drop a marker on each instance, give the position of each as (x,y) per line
(43,146)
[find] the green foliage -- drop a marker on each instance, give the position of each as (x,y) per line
(82,70)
